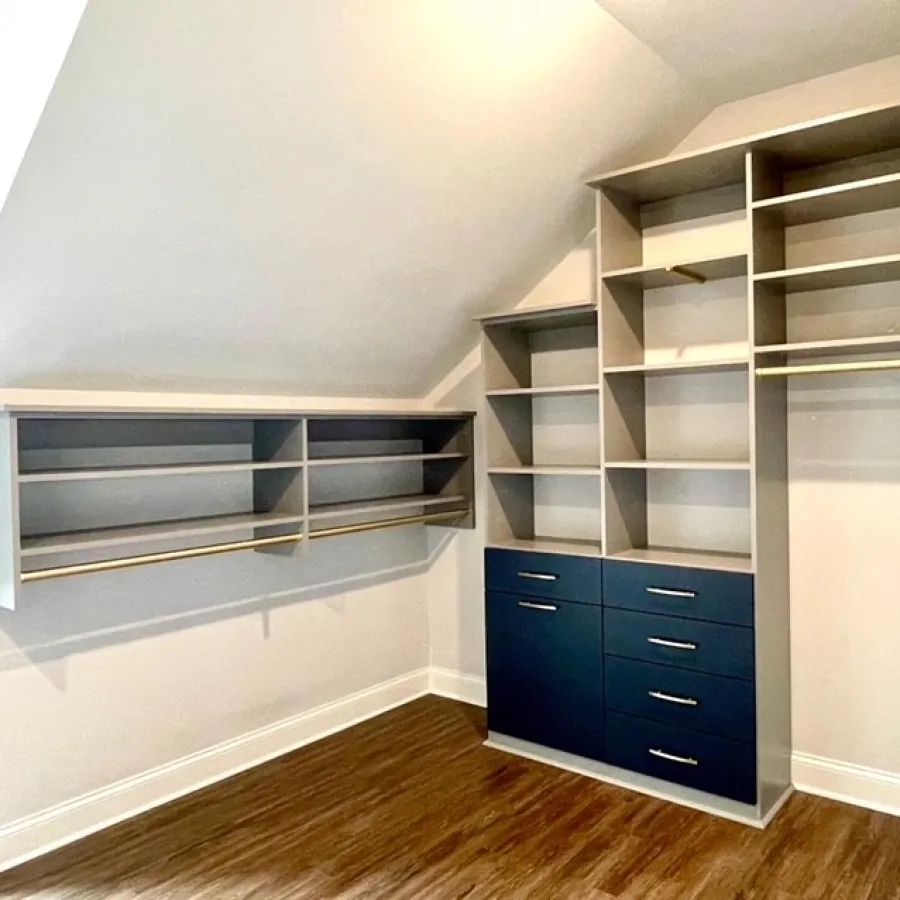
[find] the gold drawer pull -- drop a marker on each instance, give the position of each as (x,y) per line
(674,645)
(670,757)
(538,576)
(671,698)
(544,607)
(669,592)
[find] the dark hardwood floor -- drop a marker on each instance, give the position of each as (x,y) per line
(410,805)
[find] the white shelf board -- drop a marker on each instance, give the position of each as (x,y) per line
(700,465)
(649,277)
(381,505)
(686,366)
(696,559)
(848,273)
(383,458)
(835,347)
(101,474)
(566,547)
(544,470)
(561,390)
(835,201)
(101,538)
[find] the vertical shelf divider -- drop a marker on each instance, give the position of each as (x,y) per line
(769,494)
(10,564)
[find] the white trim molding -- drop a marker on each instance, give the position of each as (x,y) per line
(861,786)
(49,829)
(458,686)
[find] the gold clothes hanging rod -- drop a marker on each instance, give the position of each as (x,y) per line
(130,562)
(687,273)
(872,365)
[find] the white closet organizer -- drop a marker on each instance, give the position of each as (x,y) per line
(97,491)
(637,554)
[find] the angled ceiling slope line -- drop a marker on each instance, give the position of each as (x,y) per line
(35,36)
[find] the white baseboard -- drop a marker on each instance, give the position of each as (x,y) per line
(458,686)
(38,834)
(870,788)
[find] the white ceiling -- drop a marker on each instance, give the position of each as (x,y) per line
(736,48)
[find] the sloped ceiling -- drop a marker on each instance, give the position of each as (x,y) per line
(314,197)
(310,196)
(736,49)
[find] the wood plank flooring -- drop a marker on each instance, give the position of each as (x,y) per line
(410,805)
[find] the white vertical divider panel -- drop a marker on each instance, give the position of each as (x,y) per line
(10,565)
(769,510)
(304,455)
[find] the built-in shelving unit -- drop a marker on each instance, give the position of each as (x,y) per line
(543,445)
(93,492)
(723,275)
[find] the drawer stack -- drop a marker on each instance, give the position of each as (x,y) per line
(646,667)
(545,650)
(679,665)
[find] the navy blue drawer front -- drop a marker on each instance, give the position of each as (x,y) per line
(705,594)
(543,575)
(545,672)
(710,703)
(701,761)
(687,643)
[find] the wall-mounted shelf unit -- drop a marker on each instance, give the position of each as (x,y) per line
(94,492)
(720,272)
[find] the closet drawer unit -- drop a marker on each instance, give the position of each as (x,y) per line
(687,643)
(701,761)
(704,594)
(543,575)
(545,672)
(709,703)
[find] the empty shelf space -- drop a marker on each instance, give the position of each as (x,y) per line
(383,458)
(696,559)
(560,391)
(835,347)
(100,538)
(835,201)
(141,471)
(383,505)
(545,470)
(673,368)
(678,273)
(699,465)
(550,545)
(850,273)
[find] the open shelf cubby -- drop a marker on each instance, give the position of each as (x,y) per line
(542,378)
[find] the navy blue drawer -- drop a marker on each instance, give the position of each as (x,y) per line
(543,575)
(545,672)
(710,703)
(688,643)
(701,761)
(679,591)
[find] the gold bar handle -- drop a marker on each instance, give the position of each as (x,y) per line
(674,645)
(871,365)
(538,576)
(544,607)
(671,757)
(671,698)
(669,592)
